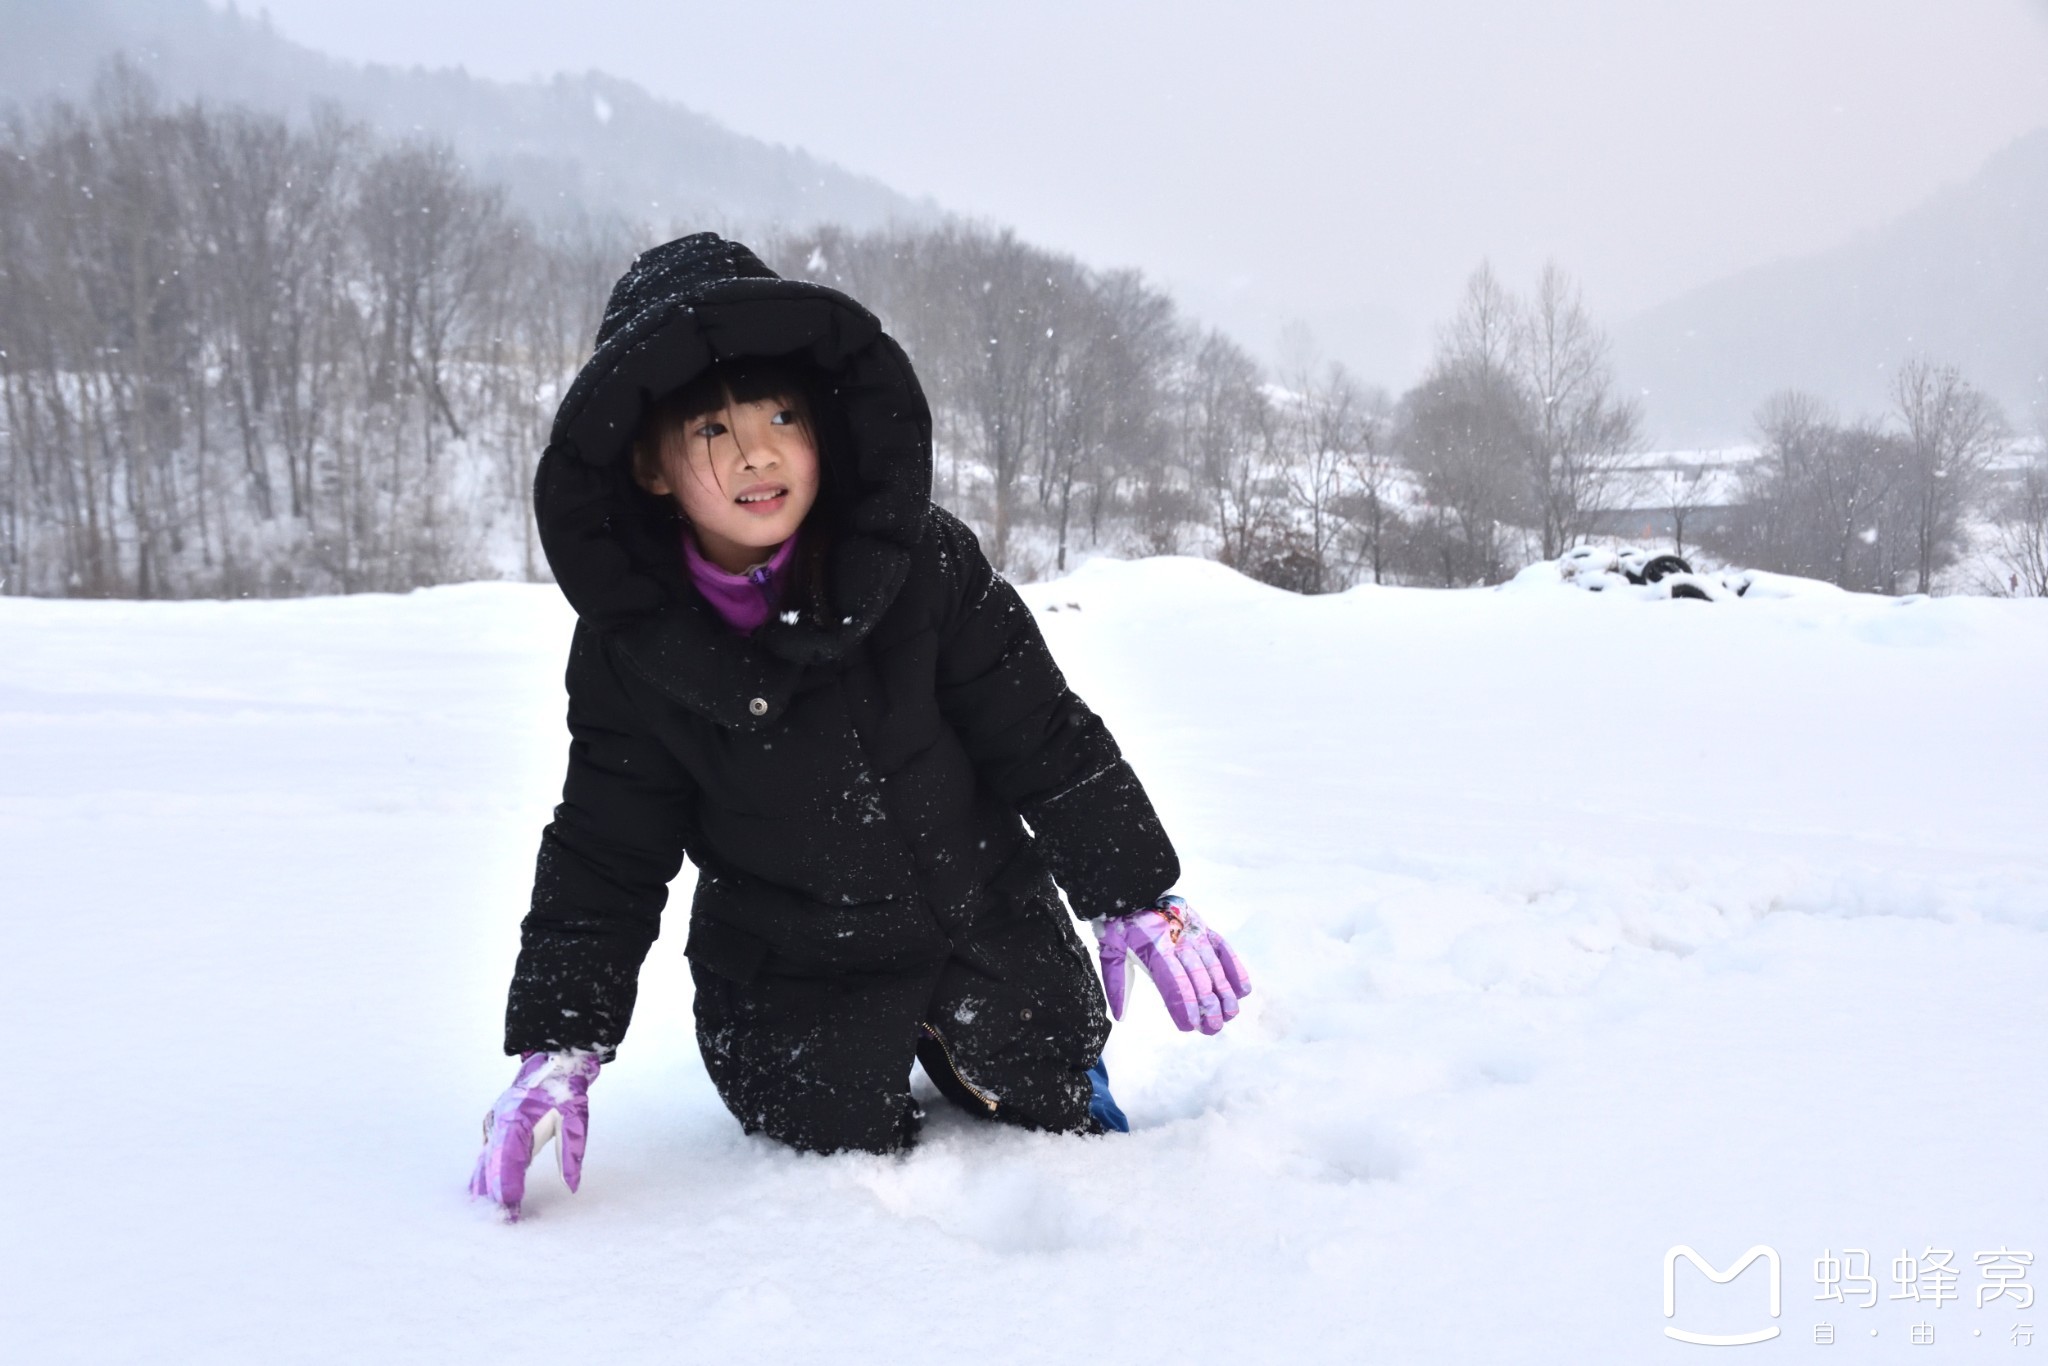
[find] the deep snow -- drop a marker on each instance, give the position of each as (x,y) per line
(1582,927)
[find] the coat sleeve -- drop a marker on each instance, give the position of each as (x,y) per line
(1037,745)
(601,879)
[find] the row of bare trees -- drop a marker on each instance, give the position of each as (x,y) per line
(1520,446)
(240,356)
(1882,505)
(1074,403)
(243,357)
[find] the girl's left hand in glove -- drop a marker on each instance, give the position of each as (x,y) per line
(1200,976)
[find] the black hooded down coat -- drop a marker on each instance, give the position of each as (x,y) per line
(853,790)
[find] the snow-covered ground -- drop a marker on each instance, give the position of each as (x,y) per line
(1582,927)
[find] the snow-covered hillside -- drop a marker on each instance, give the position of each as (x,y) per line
(1582,927)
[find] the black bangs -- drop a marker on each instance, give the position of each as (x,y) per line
(745,381)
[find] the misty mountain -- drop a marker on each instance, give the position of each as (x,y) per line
(581,144)
(1961,279)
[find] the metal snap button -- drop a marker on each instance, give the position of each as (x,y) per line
(1025,1013)
(759,706)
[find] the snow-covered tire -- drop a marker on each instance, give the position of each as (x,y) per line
(1661,567)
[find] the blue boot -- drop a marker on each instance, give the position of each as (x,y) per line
(1102,1106)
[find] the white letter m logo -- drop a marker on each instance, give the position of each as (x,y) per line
(1720,1278)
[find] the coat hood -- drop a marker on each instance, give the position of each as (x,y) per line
(613,546)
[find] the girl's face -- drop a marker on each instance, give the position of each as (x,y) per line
(745,474)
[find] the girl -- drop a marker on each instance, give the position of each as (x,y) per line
(792,668)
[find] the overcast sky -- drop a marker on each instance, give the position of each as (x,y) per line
(1341,162)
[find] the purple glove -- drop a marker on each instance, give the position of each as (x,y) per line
(1200,976)
(548,1095)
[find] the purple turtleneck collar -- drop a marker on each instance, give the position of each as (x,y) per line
(743,600)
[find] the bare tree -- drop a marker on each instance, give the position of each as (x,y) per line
(1368,507)
(1464,431)
(1822,499)
(1069,384)
(1325,446)
(1224,433)
(1130,352)
(1485,333)
(535,328)
(1790,425)
(1852,509)
(268,240)
(2021,530)
(1467,431)
(1580,431)
(1952,430)
(1683,487)
(998,359)
(429,240)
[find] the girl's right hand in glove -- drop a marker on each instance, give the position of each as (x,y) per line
(1199,976)
(548,1095)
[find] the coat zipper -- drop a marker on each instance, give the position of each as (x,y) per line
(954,1067)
